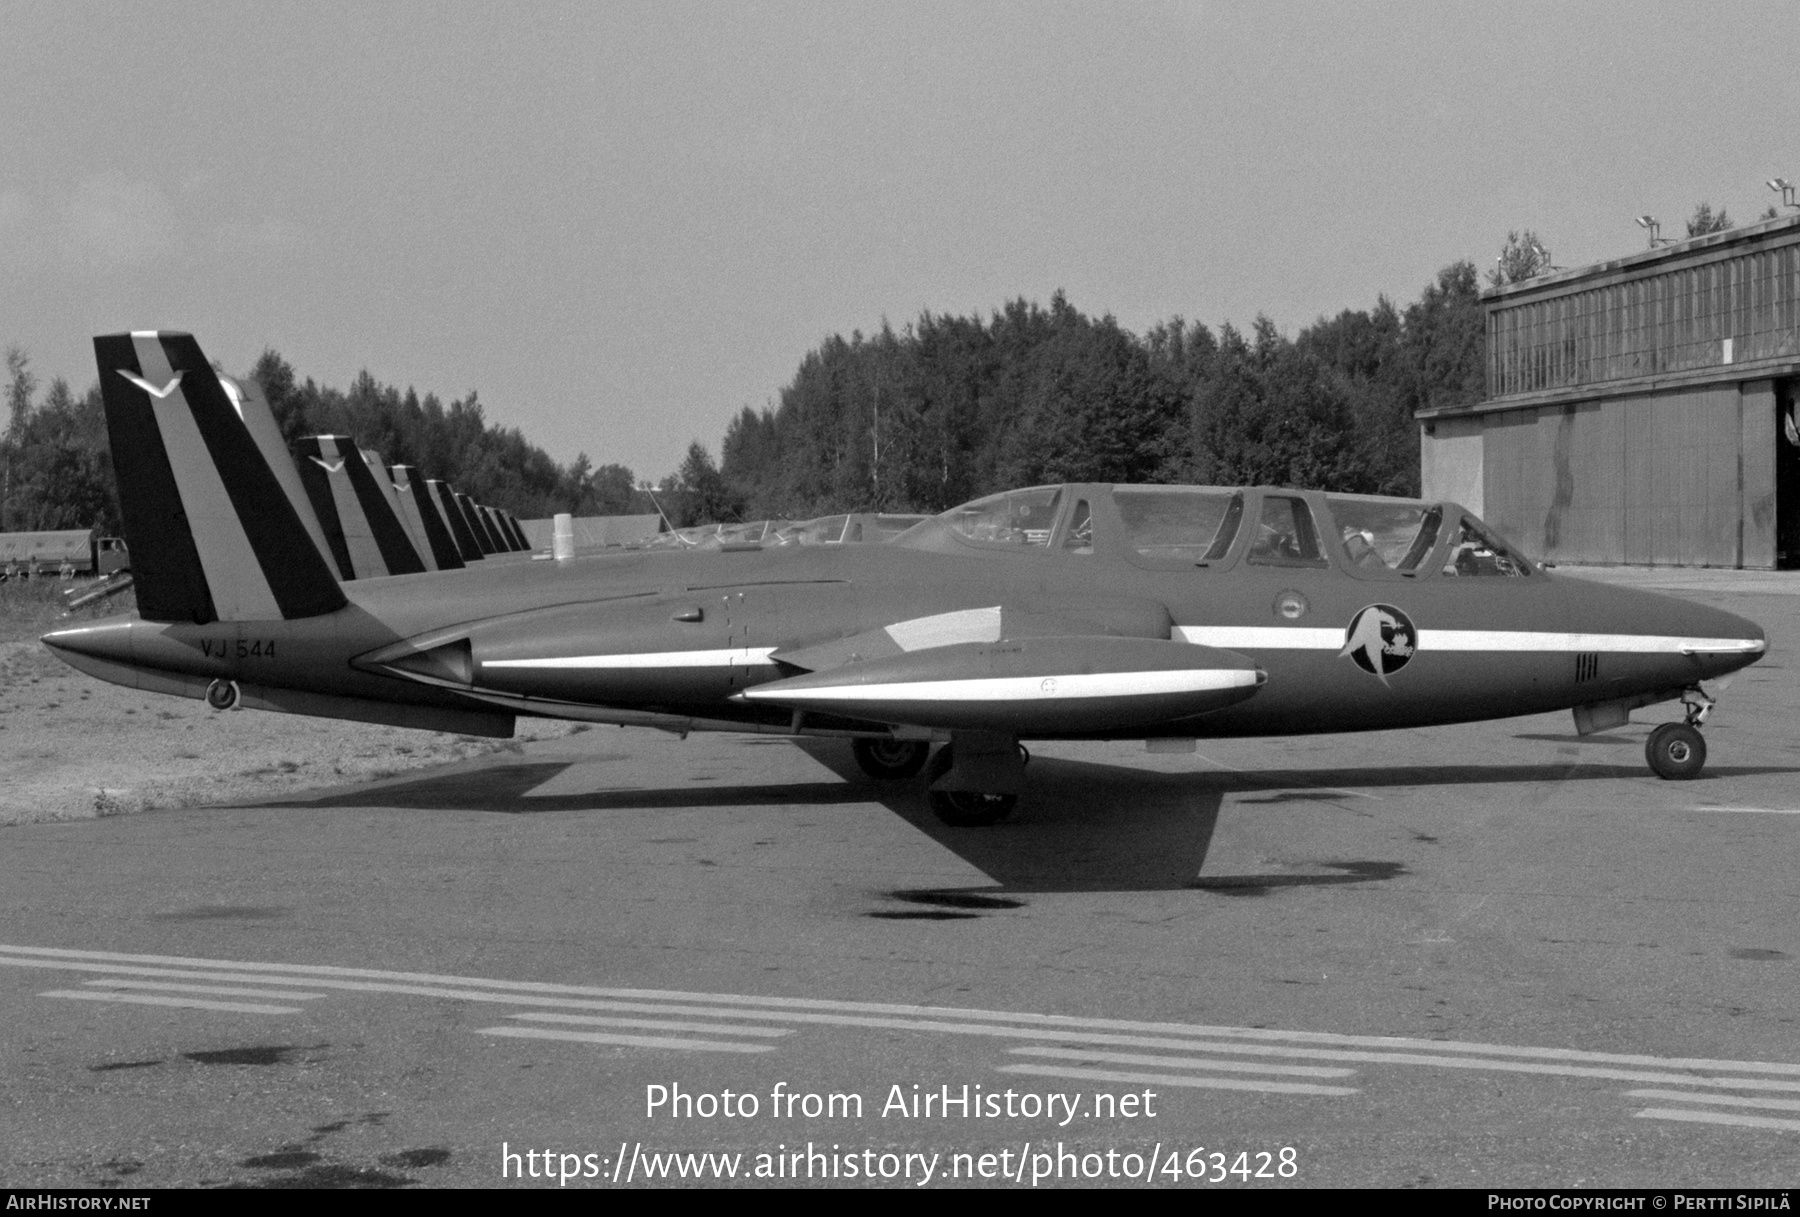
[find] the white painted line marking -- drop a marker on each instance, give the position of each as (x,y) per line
(1186,1062)
(1715,1117)
(181,1003)
(655,1024)
(629,1041)
(1318,796)
(1759,811)
(1161,1079)
(732,1004)
(1719,1100)
(214,990)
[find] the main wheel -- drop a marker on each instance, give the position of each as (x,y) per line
(969,809)
(890,758)
(964,808)
(1676,751)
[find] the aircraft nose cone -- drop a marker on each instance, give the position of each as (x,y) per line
(1710,640)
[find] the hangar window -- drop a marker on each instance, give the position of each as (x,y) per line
(1383,534)
(1285,535)
(1020,518)
(1184,524)
(1474,551)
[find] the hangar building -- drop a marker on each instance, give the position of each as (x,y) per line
(1639,411)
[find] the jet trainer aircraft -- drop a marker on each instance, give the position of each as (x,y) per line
(1084,611)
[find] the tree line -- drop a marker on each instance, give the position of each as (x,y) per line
(943,410)
(56,464)
(952,407)
(919,419)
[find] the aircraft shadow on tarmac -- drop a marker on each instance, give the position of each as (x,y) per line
(1081,825)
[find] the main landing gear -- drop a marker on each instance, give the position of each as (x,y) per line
(991,761)
(890,759)
(1677,751)
(964,808)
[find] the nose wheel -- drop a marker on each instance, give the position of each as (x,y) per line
(1676,751)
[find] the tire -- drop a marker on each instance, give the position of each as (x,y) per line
(890,759)
(967,809)
(964,808)
(1676,752)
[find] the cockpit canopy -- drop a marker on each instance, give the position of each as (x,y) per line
(1214,527)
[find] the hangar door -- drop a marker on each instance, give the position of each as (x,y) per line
(1787,475)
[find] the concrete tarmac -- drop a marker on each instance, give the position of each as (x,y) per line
(1493,955)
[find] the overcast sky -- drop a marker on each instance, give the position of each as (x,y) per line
(622,223)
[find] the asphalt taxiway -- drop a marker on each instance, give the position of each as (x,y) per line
(1495,954)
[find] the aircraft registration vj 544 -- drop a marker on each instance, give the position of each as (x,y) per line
(1162,613)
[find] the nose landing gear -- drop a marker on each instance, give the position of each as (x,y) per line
(1677,751)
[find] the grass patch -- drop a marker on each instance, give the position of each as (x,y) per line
(32,607)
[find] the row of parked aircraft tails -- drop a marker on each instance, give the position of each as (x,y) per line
(372,520)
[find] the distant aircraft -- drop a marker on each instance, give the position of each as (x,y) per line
(1082,611)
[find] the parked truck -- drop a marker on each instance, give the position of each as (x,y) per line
(63,554)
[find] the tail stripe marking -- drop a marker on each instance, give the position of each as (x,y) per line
(398,551)
(253,407)
(315,476)
(365,554)
(437,533)
(409,520)
(453,518)
(218,534)
(265,565)
(171,582)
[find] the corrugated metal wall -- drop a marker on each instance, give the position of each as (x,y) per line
(1652,479)
(1707,309)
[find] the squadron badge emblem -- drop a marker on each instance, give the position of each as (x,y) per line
(1380,639)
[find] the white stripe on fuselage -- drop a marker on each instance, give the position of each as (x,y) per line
(739,657)
(1022,688)
(1229,637)
(1296,638)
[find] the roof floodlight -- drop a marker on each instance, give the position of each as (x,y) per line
(1785,189)
(1655,227)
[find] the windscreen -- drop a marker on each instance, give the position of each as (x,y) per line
(1475,551)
